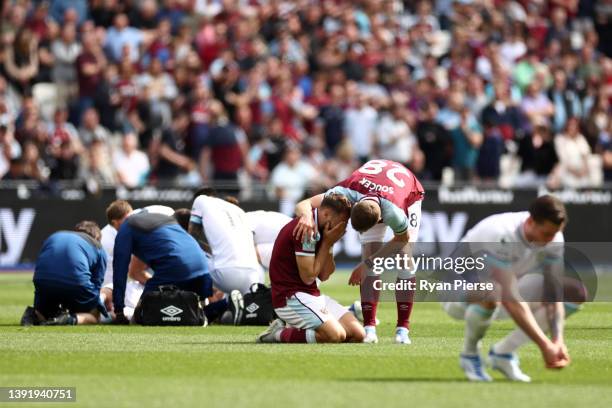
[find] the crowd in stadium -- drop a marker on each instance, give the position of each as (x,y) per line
(296,94)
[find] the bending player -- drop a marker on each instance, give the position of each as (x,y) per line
(222,230)
(525,255)
(310,317)
(138,274)
(266,226)
(384,194)
(170,251)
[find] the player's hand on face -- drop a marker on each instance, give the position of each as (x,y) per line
(358,274)
(333,234)
(305,228)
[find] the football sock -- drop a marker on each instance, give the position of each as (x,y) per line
(369,300)
(477,321)
(404,304)
(293,335)
(517,337)
(369,313)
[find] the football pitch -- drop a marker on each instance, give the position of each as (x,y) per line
(221,366)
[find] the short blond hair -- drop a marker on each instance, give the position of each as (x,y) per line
(117,210)
(364,215)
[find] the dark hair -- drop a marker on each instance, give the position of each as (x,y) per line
(337,203)
(90,228)
(548,208)
(117,210)
(365,215)
(232,200)
(207,191)
(182,215)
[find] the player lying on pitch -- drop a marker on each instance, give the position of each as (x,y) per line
(525,257)
(305,315)
(383,194)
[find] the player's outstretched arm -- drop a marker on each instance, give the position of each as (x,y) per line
(520,312)
(305,227)
(138,270)
(398,245)
(197,232)
(121,261)
(553,294)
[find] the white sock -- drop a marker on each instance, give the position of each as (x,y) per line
(517,337)
(311,336)
(277,335)
(477,321)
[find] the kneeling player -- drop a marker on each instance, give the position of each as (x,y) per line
(67,278)
(307,316)
(519,246)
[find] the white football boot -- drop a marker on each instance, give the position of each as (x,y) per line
(508,364)
(269,335)
(370,336)
(473,367)
(401,336)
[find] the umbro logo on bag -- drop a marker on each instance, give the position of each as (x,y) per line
(252,308)
(171,313)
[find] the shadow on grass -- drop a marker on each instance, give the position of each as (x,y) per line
(407,380)
(226,343)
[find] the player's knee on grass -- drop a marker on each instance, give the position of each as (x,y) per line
(355,333)
(92,317)
(331,332)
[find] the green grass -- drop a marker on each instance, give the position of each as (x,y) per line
(223,367)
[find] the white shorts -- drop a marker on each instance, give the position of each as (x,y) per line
(265,253)
(228,279)
(456,310)
(528,286)
(133,291)
(305,311)
(377,233)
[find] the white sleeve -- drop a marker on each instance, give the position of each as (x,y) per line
(108,243)
(198,209)
(393,217)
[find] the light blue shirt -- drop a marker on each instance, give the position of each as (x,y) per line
(115,40)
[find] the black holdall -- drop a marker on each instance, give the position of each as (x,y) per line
(169,306)
(257,310)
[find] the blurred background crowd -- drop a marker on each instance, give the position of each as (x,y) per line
(294,95)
